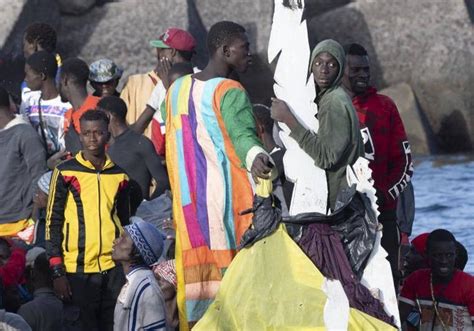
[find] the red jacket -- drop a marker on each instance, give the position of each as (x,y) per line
(12,273)
(386,146)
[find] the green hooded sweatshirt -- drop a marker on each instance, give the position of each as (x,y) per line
(338,142)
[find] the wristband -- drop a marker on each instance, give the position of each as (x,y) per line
(54,261)
(58,271)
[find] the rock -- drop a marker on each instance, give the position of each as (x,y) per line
(407,41)
(10,12)
(411,42)
(101,33)
(75,7)
(444,88)
(318,7)
(256,17)
(416,128)
(121,31)
(17,15)
(14,18)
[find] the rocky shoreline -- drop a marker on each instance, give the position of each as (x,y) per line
(422,51)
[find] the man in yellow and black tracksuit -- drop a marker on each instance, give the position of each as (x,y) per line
(88,204)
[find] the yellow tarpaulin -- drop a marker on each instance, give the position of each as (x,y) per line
(274,286)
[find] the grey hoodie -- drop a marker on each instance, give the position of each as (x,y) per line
(338,142)
(12,322)
(22,162)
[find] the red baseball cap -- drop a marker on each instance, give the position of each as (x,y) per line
(175,38)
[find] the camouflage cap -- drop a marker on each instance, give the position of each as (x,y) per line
(104,70)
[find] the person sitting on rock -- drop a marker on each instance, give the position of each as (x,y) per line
(442,295)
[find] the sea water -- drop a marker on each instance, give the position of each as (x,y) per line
(444,198)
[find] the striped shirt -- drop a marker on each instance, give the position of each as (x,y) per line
(453,302)
(140,305)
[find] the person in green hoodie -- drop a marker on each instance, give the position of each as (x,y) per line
(338,142)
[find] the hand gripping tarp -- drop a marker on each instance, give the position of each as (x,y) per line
(273,286)
(266,214)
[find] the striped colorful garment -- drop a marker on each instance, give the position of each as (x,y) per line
(210,132)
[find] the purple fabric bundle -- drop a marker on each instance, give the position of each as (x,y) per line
(323,246)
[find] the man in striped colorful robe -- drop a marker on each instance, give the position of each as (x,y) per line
(211,143)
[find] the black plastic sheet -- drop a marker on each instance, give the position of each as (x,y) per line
(354,221)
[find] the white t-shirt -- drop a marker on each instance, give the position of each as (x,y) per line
(52,112)
(157,97)
(140,304)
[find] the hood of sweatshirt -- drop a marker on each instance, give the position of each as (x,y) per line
(335,49)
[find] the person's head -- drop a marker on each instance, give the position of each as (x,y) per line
(37,37)
(94,133)
(441,248)
(4,100)
(327,64)
(357,73)
(264,120)
(228,43)
(40,67)
(115,108)
(179,70)
(176,45)
(461,256)
(74,77)
(140,243)
(41,272)
(416,258)
(5,251)
(104,76)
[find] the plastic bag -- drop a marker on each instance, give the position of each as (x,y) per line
(265,220)
(355,222)
(273,286)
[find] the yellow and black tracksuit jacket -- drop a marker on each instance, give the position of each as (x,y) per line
(86,211)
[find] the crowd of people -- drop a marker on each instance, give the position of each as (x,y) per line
(82,158)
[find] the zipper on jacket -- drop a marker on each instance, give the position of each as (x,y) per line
(100,222)
(66,247)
